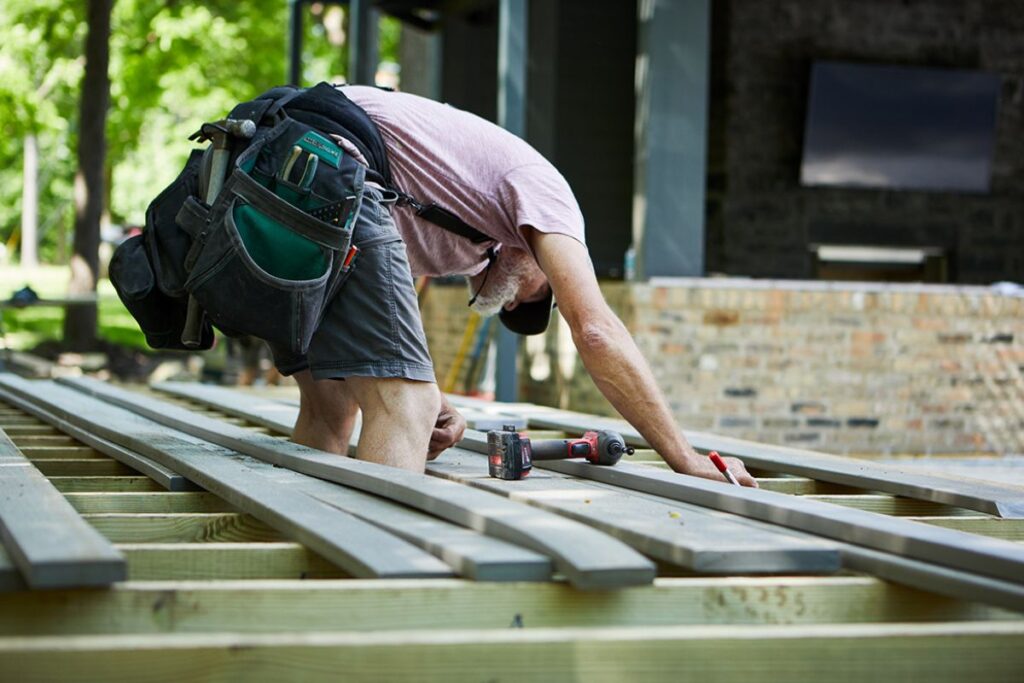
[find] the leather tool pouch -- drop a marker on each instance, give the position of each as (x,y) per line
(147,270)
(269,255)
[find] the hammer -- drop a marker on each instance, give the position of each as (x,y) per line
(220,134)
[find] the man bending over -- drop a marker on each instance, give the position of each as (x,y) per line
(532,249)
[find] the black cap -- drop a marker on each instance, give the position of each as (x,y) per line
(528,318)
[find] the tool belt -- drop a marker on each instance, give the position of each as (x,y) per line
(265,256)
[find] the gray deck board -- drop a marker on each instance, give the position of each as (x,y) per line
(705,541)
(991,498)
(588,558)
(167,478)
(471,554)
(992,557)
(699,540)
(361,549)
(52,546)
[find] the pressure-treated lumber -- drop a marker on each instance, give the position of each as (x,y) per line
(989,651)
(224,561)
(35,453)
(88,484)
(697,539)
(159,502)
(586,557)
(466,552)
(181,527)
(994,499)
(892,505)
(702,541)
(359,548)
(89,467)
(360,605)
(1008,529)
(167,478)
(20,432)
(47,540)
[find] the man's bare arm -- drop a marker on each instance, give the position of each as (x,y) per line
(612,357)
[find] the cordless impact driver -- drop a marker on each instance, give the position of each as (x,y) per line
(510,455)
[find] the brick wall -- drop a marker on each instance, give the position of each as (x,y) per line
(760,220)
(843,368)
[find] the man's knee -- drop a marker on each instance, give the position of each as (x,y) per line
(326,401)
(397,397)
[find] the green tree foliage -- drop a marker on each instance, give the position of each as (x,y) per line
(173,64)
(40,69)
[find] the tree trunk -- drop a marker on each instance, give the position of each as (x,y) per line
(80,320)
(30,204)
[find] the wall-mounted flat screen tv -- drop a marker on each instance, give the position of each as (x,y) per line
(877,126)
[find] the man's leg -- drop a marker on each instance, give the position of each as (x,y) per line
(398,417)
(371,336)
(327,414)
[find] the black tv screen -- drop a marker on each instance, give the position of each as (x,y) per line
(899,127)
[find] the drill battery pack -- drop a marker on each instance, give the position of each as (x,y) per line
(509,454)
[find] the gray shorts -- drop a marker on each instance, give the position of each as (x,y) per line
(372,328)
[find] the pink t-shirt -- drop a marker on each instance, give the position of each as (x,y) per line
(483,174)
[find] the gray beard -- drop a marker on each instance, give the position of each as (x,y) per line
(498,294)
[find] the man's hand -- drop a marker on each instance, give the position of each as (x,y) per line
(448,430)
(701,466)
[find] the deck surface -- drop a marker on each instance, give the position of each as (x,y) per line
(217,594)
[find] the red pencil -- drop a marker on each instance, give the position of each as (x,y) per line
(722,467)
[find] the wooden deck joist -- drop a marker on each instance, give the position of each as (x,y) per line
(170,480)
(183,527)
(44,536)
(279,606)
(359,548)
(991,498)
(989,651)
(685,535)
(225,561)
(587,558)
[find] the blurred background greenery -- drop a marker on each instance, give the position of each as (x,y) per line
(173,64)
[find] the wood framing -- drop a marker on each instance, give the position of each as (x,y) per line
(183,527)
(167,478)
(359,548)
(989,651)
(403,604)
(159,502)
(588,558)
(216,561)
(52,546)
